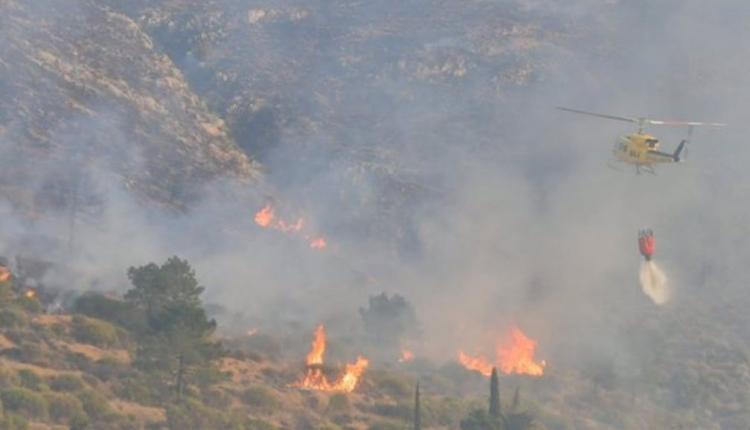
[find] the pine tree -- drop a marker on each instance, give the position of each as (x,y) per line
(417,416)
(494,395)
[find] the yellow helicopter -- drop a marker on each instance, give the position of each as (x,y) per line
(641,149)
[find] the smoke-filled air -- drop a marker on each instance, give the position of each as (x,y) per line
(331,214)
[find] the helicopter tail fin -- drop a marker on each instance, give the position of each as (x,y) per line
(678,151)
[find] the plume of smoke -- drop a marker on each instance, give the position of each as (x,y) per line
(654,283)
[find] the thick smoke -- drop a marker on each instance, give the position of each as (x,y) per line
(477,201)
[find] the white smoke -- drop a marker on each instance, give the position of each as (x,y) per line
(654,283)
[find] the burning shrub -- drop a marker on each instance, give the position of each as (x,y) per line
(93,331)
(25,402)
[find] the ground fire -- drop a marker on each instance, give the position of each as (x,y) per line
(515,355)
(406,356)
(267,218)
(315,379)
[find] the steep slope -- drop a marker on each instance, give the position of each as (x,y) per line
(82,84)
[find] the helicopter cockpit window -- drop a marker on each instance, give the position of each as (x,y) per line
(652,142)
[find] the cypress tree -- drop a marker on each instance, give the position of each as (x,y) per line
(417,416)
(494,395)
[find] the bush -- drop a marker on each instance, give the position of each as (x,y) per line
(261,399)
(94,404)
(401,411)
(25,402)
(14,422)
(193,415)
(29,379)
(93,331)
(30,304)
(386,425)
(109,309)
(64,408)
(255,424)
(66,382)
(338,404)
(391,384)
(108,367)
(8,378)
(12,317)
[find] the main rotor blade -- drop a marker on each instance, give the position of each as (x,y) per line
(683,123)
(600,115)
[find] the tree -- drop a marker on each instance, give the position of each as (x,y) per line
(494,395)
(417,416)
(177,338)
(479,419)
(516,399)
(388,319)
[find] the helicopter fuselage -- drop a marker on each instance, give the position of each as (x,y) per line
(641,149)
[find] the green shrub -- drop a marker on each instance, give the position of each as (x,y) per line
(193,415)
(261,399)
(110,309)
(402,410)
(255,424)
(8,378)
(392,384)
(95,405)
(93,331)
(64,408)
(29,379)
(14,422)
(66,382)
(30,304)
(108,368)
(386,425)
(12,317)
(25,402)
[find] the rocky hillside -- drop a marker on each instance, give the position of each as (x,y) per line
(83,84)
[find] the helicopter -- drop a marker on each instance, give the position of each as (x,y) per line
(641,149)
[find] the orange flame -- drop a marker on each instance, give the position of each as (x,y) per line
(477,364)
(318,243)
(4,274)
(315,356)
(315,379)
(267,218)
(406,356)
(515,355)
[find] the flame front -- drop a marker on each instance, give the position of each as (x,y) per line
(477,364)
(30,294)
(315,379)
(267,218)
(515,355)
